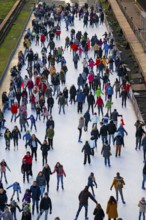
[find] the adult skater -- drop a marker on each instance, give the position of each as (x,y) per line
(111,209)
(83,202)
(60,173)
(118,183)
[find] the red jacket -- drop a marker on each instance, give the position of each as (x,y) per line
(30,84)
(74,47)
(14,108)
(43,38)
(99,102)
(28,159)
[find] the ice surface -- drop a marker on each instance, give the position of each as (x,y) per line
(67,150)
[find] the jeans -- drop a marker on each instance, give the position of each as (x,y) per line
(111,136)
(42,189)
(41,212)
(140,214)
(44,156)
(103,138)
(13,116)
(107,160)
(80,133)
(100,110)
(35,203)
(14,191)
(79,209)
(138,142)
(33,125)
(143,181)
(119,190)
(61,107)
(59,179)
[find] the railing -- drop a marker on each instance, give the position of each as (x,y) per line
(9,19)
(135,29)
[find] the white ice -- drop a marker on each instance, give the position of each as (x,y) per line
(67,150)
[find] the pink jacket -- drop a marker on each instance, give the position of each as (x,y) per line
(59,170)
(90,78)
(91,63)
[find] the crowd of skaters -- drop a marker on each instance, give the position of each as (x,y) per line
(42,86)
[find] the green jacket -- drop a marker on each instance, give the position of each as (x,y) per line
(98,92)
(109,104)
(50,133)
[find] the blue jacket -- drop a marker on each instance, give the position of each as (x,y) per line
(16,187)
(91,182)
(35,192)
(87,116)
(109,90)
(27,136)
(80,96)
(122,130)
(144,143)
(32,119)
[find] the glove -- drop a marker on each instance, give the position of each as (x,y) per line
(50,212)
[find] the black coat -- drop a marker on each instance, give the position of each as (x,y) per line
(47,172)
(91,99)
(103,130)
(50,123)
(95,134)
(99,214)
(3,200)
(50,102)
(111,128)
(45,148)
(139,132)
(86,148)
(26,216)
(73,91)
(46,204)
(84,196)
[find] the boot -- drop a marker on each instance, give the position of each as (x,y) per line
(57,188)
(62,187)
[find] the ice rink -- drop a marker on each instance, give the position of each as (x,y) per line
(67,151)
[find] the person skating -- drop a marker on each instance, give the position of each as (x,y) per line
(111,209)
(106,152)
(47,172)
(87,119)
(91,101)
(41,182)
(25,170)
(28,158)
(26,214)
(50,135)
(45,206)
(142,208)
(33,143)
(98,212)
(60,173)
(32,122)
(3,167)
(13,206)
(8,137)
(35,194)
(144,146)
(7,215)
(119,142)
(83,202)
(92,182)
(87,152)
(3,199)
(144,175)
(80,127)
(61,103)
(139,133)
(16,189)
(118,183)
(45,148)
(15,136)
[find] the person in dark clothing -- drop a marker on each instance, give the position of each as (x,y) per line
(91,101)
(35,194)
(50,102)
(114,116)
(45,148)
(47,172)
(75,60)
(144,175)
(3,199)
(50,123)
(45,205)
(33,143)
(95,134)
(25,170)
(111,127)
(119,142)
(103,133)
(80,100)
(124,96)
(87,119)
(139,134)
(15,136)
(98,212)
(87,152)
(144,146)
(83,201)
(73,93)
(13,205)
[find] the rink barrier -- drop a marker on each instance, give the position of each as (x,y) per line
(14,50)
(9,19)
